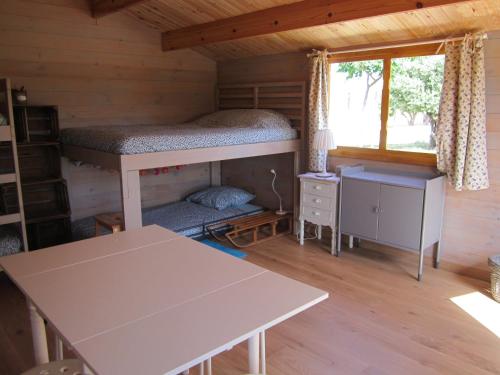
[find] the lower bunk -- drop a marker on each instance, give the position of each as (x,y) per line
(187,218)
(10,240)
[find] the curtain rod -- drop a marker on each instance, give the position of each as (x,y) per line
(409,43)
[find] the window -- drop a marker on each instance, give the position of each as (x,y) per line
(384,106)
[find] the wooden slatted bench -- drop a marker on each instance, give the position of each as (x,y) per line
(260,227)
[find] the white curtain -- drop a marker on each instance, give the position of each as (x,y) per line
(318,105)
(461,127)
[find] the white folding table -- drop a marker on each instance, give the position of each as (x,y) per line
(148,301)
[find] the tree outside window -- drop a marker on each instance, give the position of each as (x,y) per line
(414,92)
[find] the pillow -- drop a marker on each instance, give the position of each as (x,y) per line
(244,118)
(221,197)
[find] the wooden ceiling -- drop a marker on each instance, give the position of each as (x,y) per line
(445,21)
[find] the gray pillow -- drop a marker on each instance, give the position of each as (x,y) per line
(221,197)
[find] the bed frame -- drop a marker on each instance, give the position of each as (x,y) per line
(285,97)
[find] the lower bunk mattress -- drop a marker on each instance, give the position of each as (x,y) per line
(186,218)
(10,240)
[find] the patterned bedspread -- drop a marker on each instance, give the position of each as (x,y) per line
(223,128)
(10,240)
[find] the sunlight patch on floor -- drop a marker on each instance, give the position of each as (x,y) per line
(485,310)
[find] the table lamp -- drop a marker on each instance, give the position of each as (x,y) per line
(324,141)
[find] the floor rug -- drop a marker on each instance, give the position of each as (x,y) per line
(227,250)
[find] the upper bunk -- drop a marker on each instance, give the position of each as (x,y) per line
(135,147)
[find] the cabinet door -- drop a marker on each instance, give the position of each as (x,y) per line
(360,201)
(400,221)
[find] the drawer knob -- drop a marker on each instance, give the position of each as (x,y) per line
(317,187)
(317,200)
(316,213)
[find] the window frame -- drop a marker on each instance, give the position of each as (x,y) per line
(382,153)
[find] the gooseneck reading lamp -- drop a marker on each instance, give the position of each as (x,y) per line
(280,211)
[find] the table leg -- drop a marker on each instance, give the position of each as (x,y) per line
(253,354)
(301,234)
(263,352)
(319,232)
(209,366)
(39,336)
(59,349)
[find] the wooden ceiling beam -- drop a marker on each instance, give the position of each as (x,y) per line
(101,8)
(287,17)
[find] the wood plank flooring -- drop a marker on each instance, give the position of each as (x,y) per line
(378,319)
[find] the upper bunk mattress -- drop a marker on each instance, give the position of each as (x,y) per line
(224,128)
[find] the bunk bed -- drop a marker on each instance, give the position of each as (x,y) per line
(287,98)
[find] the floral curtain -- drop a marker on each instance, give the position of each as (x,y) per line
(461,127)
(318,105)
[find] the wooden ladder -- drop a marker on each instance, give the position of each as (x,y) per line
(8,134)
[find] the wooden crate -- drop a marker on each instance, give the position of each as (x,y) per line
(42,201)
(49,233)
(6,160)
(36,123)
(37,161)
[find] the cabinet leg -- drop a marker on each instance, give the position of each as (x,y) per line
(301,234)
(420,264)
(333,250)
(351,242)
(320,229)
(437,255)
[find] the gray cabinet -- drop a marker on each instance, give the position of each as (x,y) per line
(403,211)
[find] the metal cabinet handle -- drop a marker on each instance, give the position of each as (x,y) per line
(317,200)
(315,213)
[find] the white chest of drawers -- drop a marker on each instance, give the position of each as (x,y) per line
(318,203)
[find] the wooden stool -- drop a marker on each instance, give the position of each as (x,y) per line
(112,221)
(66,367)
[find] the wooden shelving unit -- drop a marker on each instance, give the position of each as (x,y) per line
(45,195)
(10,176)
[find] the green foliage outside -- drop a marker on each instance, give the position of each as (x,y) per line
(415,85)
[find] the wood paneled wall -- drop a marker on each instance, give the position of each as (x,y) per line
(253,175)
(472,219)
(100,72)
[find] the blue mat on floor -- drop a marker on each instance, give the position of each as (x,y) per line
(227,250)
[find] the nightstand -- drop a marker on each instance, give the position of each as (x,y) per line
(318,204)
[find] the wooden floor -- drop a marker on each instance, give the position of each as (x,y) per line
(378,319)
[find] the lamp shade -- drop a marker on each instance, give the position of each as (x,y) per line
(324,140)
